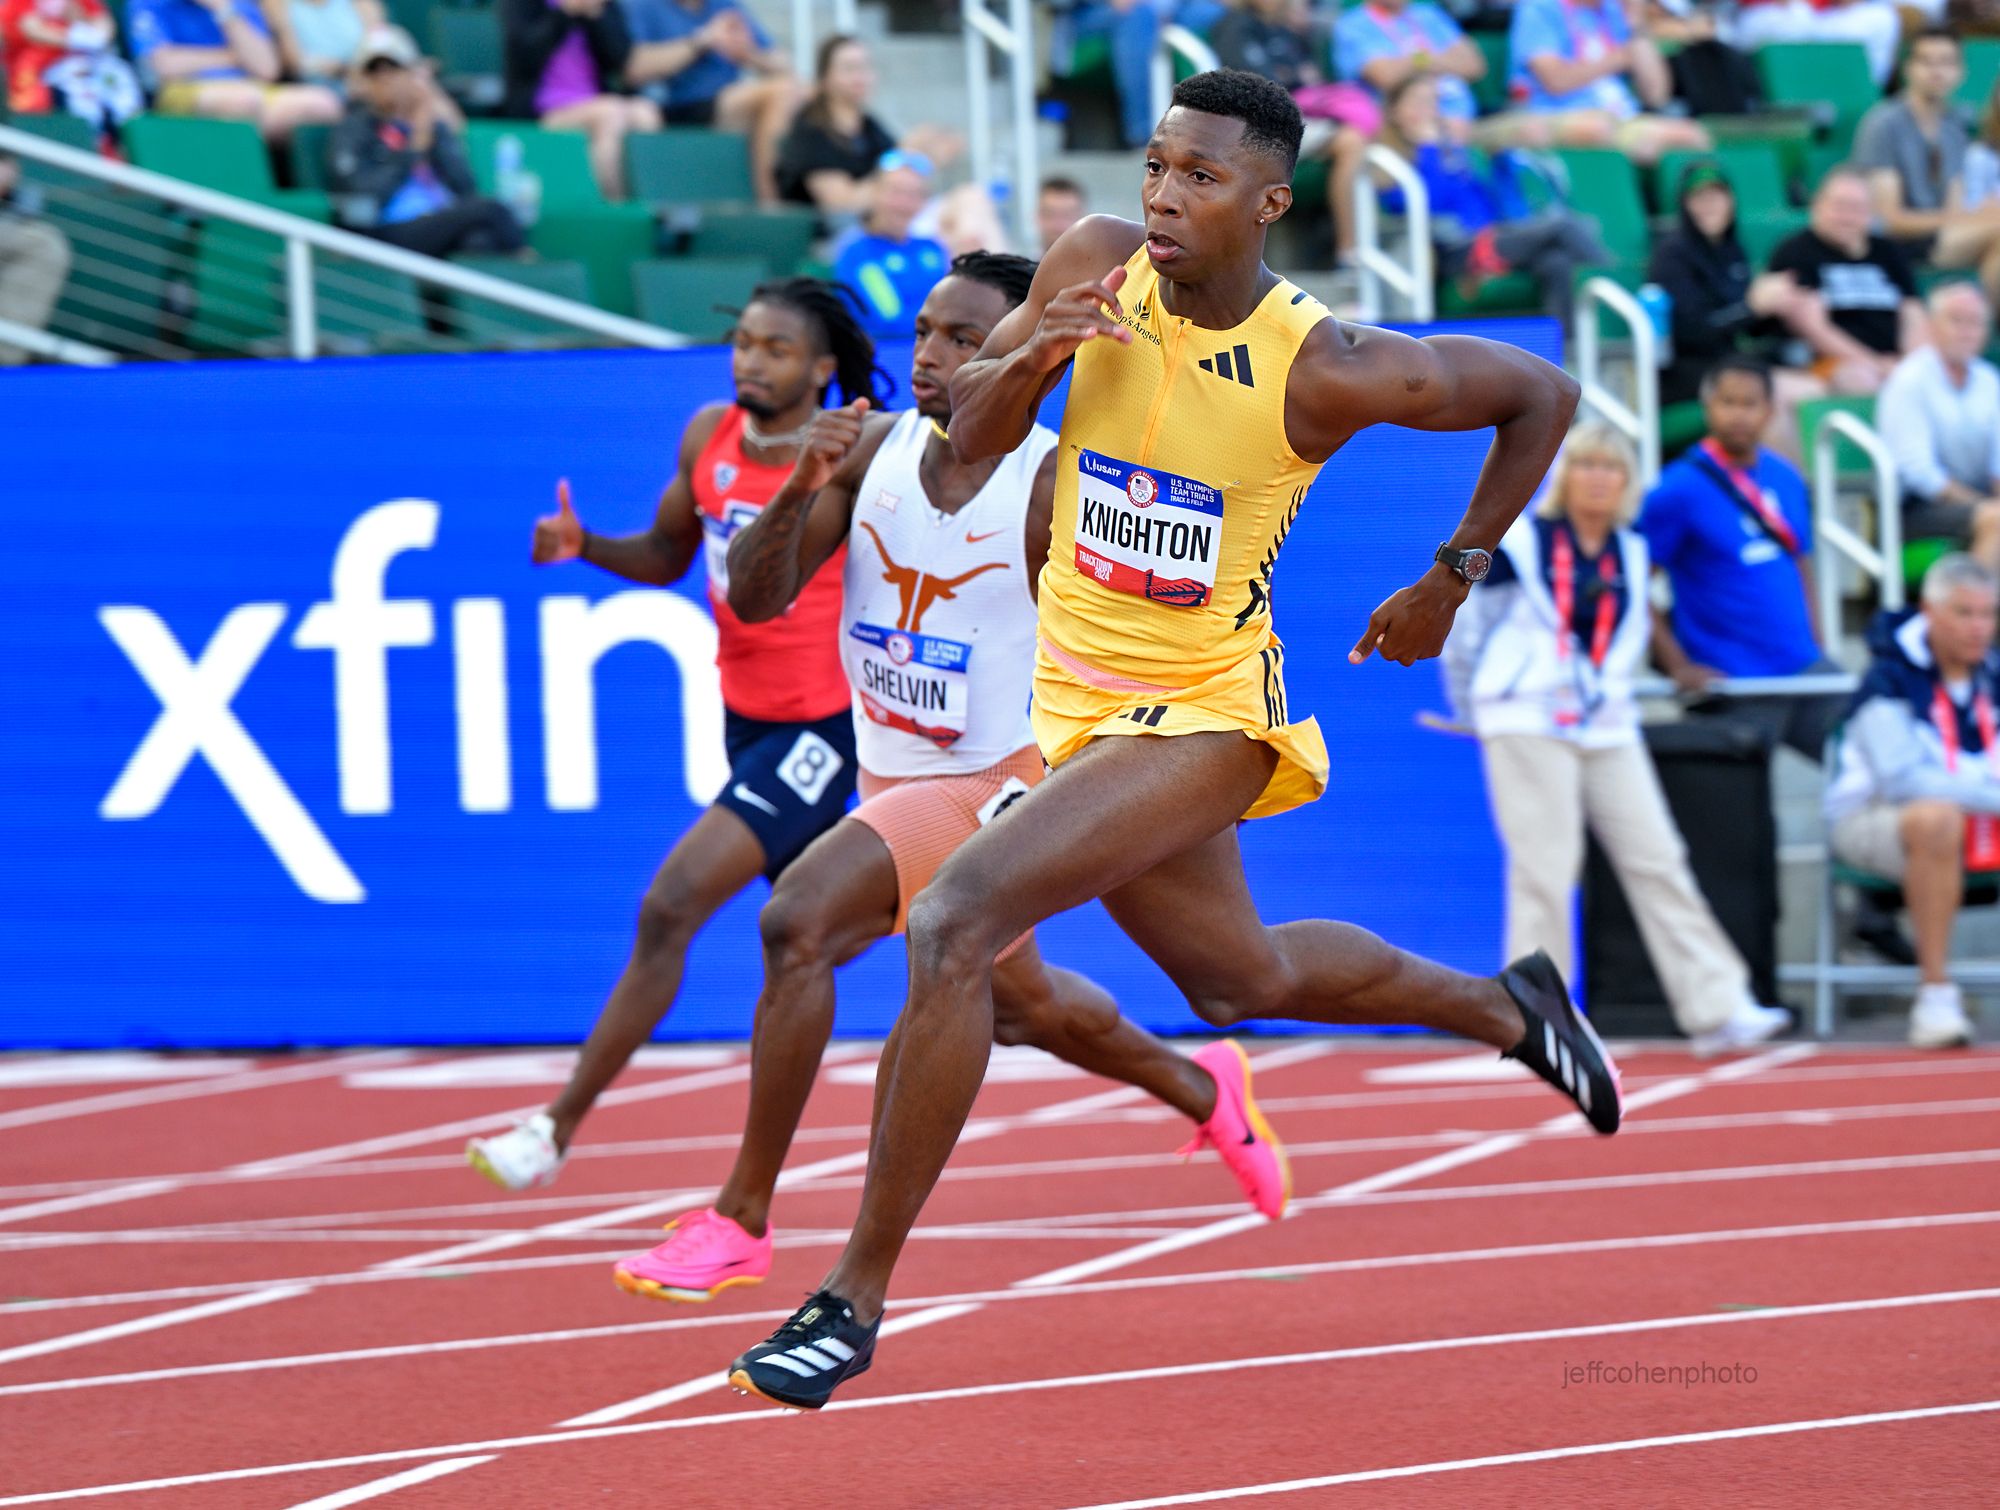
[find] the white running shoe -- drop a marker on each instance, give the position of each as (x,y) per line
(1748,1026)
(520,1159)
(1938,1020)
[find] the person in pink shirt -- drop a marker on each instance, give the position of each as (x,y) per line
(564,60)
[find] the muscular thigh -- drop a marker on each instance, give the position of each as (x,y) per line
(843,887)
(1195,918)
(1109,814)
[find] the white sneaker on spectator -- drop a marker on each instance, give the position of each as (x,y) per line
(521,1158)
(1748,1026)
(1938,1020)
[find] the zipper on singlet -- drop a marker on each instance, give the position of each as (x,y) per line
(1171,350)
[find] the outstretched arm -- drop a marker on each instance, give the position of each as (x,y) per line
(996,395)
(657,555)
(775,555)
(1349,378)
(1039,524)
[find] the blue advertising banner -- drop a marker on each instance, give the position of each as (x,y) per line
(298,748)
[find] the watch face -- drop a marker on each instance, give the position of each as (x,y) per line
(1475,564)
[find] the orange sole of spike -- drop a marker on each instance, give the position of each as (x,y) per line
(740,1380)
(1263,1128)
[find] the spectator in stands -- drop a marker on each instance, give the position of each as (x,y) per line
(829,156)
(1382,42)
(1717,307)
(1915,794)
(34,260)
(397,168)
(564,59)
(1581,63)
(1060,205)
(1940,413)
(891,267)
(1541,662)
(1913,150)
(320,40)
(709,63)
(1978,189)
(1133,27)
(1710,77)
(1874,24)
(1481,221)
(1272,38)
(1846,294)
(61,55)
(216,58)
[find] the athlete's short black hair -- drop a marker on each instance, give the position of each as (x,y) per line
(1271,122)
(1011,274)
(1736,361)
(832,310)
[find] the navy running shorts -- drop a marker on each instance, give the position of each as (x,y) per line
(790,782)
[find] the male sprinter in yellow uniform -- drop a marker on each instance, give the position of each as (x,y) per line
(1208,393)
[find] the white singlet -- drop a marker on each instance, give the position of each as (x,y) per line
(937,627)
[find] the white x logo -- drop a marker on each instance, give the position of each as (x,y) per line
(196,719)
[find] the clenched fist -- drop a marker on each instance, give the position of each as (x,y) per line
(833,434)
(1076,315)
(558,536)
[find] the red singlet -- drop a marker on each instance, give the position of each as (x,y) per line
(786,670)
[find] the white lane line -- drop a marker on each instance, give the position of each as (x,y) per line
(1433,1193)
(140,1324)
(195,1090)
(1603,1245)
(1173,1372)
(407,1479)
(1421,1169)
(1978,1063)
(1554,1454)
(1024,1231)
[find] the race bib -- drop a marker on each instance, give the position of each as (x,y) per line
(913,682)
(715,537)
(1151,533)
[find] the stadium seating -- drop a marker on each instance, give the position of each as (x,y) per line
(686,166)
(484,323)
(226,156)
(1828,80)
(697,296)
(1982,72)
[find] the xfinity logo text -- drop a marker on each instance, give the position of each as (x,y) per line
(359,627)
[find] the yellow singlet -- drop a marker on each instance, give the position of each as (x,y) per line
(1175,489)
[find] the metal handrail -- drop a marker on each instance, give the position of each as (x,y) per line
(1882,561)
(55,348)
(1416,281)
(1639,420)
(303,237)
(804,43)
(1189,45)
(1014,40)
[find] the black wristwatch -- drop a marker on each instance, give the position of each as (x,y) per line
(1472,564)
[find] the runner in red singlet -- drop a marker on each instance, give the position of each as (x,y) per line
(788,727)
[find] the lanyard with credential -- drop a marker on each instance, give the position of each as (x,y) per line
(1562,569)
(1982,830)
(1776,525)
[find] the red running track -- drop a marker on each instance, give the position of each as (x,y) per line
(277,1285)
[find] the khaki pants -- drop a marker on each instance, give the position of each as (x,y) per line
(1544,791)
(34,261)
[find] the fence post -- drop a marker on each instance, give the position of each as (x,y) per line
(300,305)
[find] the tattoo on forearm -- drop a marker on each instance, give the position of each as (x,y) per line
(769,569)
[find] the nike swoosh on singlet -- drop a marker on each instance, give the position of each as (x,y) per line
(744,794)
(972,539)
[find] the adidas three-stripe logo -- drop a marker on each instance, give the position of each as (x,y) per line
(810,1359)
(1232,365)
(1559,1056)
(1150,717)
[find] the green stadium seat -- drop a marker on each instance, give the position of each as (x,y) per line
(1847,456)
(130,261)
(239,291)
(684,165)
(471,53)
(308,157)
(1681,425)
(1760,234)
(1754,170)
(1490,90)
(1829,80)
(606,241)
(1604,185)
(1789,132)
(781,237)
(560,159)
(1982,72)
(366,307)
(697,296)
(1510,294)
(227,156)
(485,323)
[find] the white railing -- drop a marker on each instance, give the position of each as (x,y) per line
(1012,38)
(1414,279)
(55,348)
(805,29)
(1640,419)
(1883,560)
(1177,41)
(302,238)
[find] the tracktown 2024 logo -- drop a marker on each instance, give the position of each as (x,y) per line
(359,626)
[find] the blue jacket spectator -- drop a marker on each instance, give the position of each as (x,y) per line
(892,269)
(1381,43)
(710,63)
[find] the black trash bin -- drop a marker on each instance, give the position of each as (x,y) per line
(1717,778)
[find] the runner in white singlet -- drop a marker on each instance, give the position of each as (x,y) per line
(938,639)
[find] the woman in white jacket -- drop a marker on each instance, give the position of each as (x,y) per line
(1541,664)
